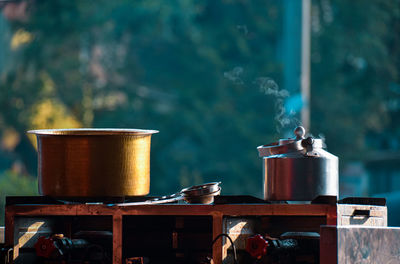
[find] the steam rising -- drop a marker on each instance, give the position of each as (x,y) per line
(243,28)
(235,75)
(284,118)
(269,87)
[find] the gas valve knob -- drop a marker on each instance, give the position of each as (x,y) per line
(256,246)
(45,247)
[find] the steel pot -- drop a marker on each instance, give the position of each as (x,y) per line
(93,162)
(298,169)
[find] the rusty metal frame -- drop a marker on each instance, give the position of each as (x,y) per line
(217,212)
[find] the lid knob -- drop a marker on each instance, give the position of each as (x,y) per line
(299,132)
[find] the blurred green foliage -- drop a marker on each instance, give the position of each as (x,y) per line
(12,183)
(150,64)
(355,76)
(188,69)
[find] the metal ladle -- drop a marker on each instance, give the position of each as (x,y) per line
(203,194)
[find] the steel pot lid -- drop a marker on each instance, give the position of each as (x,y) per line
(298,143)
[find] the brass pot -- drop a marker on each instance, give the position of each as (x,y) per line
(93,162)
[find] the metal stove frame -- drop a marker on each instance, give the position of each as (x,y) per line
(15,210)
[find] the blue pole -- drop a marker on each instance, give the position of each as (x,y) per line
(291,58)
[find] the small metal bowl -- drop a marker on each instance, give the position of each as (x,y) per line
(203,199)
(202,194)
(202,189)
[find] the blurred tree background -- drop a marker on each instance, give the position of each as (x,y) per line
(196,71)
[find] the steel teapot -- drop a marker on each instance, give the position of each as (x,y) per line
(298,169)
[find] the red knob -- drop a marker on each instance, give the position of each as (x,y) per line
(45,247)
(257,246)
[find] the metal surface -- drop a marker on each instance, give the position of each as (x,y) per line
(368,245)
(365,215)
(202,194)
(93,162)
(359,244)
(298,169)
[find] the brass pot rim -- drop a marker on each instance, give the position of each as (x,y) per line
(93,132)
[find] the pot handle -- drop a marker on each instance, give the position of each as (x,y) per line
(164,199)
